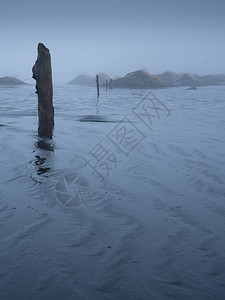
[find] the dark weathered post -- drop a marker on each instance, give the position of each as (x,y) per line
(42,73)
(106,84)
(97,81)
(110,84)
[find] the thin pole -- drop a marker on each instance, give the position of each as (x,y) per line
(97,81)
(110,84)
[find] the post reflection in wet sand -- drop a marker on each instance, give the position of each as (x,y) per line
(42,161)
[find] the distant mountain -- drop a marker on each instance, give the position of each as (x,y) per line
(140,80)
(102,77)
(10,81)
(196,80)
(169,77)
(189,80)
(221,77)
(83,79)
(212,79)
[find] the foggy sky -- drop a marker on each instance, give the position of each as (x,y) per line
(115,37)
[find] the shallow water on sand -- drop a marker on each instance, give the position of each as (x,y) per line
(127,201)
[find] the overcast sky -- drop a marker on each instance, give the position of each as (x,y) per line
(113,36)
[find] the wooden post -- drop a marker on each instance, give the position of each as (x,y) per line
(97,81)
(42,73)
(110,84)
(106,84)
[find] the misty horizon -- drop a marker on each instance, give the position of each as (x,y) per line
(115,38)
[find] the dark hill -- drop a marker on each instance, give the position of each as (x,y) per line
(188,80)
(83,79)
(139,80)
(169,77)
(10,81)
